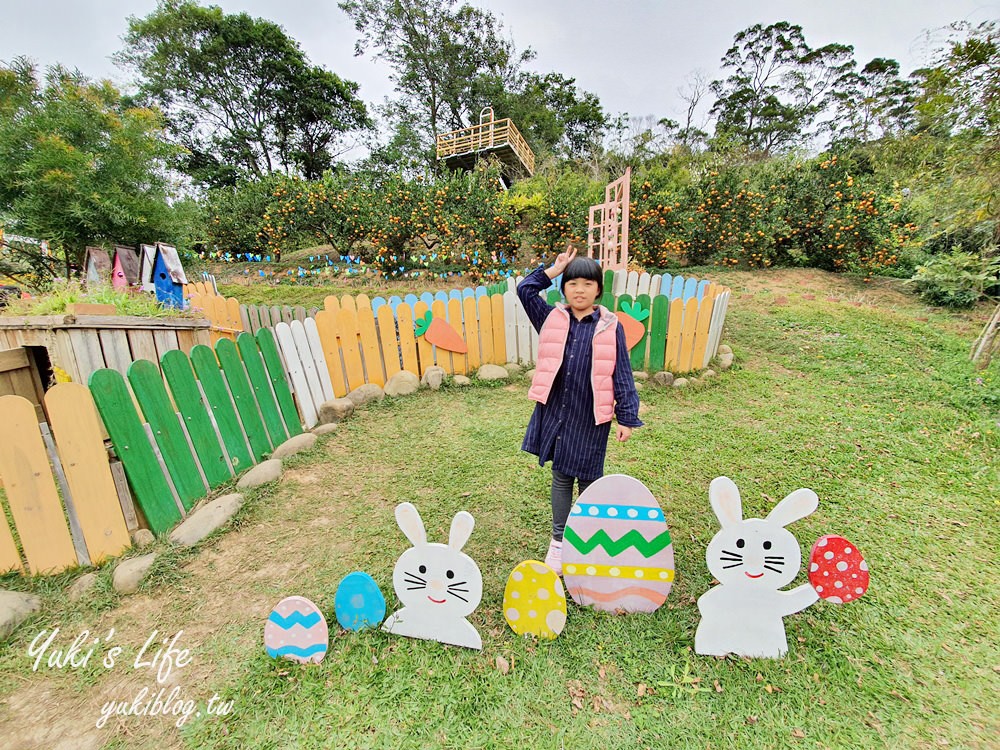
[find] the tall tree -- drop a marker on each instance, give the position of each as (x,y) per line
(238,93)
(776,87)
(871,103)
(79,167)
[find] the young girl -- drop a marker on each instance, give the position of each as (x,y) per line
(582,378)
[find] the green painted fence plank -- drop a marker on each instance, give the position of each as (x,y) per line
(261,385)
(246,405)
(638,354)
(658,332)
(553,296)
(180,377)
(279,382)
(147,384)
(207,367)
(131,443)
(608,297)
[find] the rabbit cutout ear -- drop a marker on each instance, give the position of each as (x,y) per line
(410,523)
(724,496)
(461,529)
(798,504)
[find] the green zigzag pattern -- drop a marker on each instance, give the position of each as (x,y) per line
(614,548)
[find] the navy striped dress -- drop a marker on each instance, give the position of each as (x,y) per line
(563,430)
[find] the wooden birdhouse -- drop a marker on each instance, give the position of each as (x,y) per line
(147,258)
(97,266)
(168,276)
(125,273)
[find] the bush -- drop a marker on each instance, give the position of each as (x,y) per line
(956,279)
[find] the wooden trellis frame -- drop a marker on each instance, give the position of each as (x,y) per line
(607,228)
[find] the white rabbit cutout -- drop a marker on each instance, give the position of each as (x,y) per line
(438,584)
(752,559)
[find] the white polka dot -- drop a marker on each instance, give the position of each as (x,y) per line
(532,614)
(639,574)
(838,584)
(632,513)
(615,571)
(826,572)
(854,575)
(821,542)
(542,594)
(517,575)
(577,509)
(827,555)
(664,574)
(556,621)
(813,567)
(652,514)
(612,512)
(591,571)
(835,599)
(515,594)
(859,590)
(570,568)
(593,510)
(841,566)
(847,550)
(819,589)
(863,565)
(513,615)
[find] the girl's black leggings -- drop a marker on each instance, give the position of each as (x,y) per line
(562,500)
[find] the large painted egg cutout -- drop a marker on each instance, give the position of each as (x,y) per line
(534,602)
(837,570)
(359,602)
(617,553)
(296,630)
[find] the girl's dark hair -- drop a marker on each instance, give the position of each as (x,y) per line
(583,268)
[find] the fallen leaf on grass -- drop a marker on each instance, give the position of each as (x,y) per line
(798,733)
(640,690)
(718,687)
(751,720)
(502,665)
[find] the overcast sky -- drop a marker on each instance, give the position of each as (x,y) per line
(634,54)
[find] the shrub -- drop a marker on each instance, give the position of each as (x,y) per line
(956,279)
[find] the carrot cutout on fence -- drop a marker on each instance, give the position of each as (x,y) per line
(440,333)
(631,317)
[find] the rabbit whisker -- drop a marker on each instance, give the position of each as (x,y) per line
(459,596)
(729,559)
(773,570)
(734,554)
(413,575)
(774,557)
(411,579)
(414,588)
(734,565)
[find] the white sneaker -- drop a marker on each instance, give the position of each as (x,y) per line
(553,558)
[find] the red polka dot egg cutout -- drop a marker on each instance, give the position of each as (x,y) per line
(837,571)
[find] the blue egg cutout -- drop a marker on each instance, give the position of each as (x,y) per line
(359,602)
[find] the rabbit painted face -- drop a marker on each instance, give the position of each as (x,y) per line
(438,577)
(754,552)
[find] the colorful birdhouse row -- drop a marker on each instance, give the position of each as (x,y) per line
(617,557)
(155,268)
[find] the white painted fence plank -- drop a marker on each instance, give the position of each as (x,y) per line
(296,373)
(316,349)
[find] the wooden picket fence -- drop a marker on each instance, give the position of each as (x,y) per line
(180,430)
(365,340)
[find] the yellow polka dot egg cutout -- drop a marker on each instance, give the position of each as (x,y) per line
(534,602)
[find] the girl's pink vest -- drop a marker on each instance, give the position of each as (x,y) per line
(551,347)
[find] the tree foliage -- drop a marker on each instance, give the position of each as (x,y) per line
(239,94)
(80,166)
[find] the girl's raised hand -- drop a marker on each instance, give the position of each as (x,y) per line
(563,259)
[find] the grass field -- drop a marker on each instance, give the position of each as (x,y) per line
(853,390)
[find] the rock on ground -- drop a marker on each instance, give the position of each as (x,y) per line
(461,381)
(402,384)
(15,606)
(725,361)
(142,538)
(663,379)
(433,377)
(262,473)
(129,573)
(81,586)
(335,410)
(366,394)
(203,522)
(725,349)
(680,383)
(293,445)
(492,372)
(640,375)
(513,367)
(325,429)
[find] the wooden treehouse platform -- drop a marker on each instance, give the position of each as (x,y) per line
(461,149)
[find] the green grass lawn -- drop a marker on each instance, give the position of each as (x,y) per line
(855,391)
